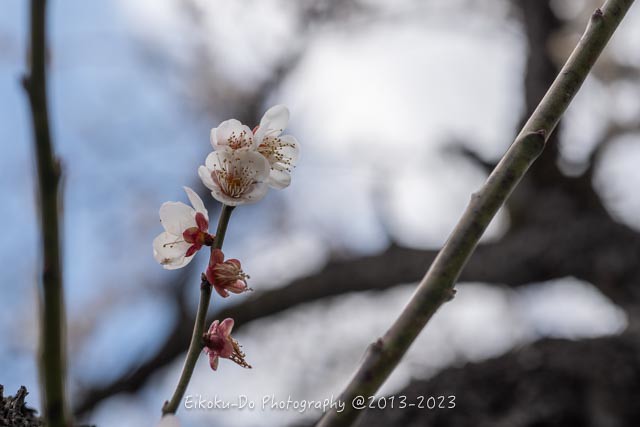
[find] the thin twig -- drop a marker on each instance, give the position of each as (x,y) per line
(52,344)
(437,287)
(196,345)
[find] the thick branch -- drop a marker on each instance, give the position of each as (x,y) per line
(52,344)
(437,286)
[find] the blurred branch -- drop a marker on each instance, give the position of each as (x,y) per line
(462,150)
(437,286)
(52,346)
(336,278)
(368,273)
(613,131)
(552,382)
(536,253)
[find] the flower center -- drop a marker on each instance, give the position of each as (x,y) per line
(215,343)
(234,183)
(194,236)
(238,141)
(229,272)
(198,235)
(271,148)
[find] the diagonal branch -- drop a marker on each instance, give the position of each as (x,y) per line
(437,286)
(369,273)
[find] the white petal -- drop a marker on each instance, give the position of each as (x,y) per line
(255,193)
(225,129)
(276,118)
(233,130)
(258,164)
(205,177)
(258,191)
(222,197)
(177,217)
(179,263)
(196,202)
(169,251)
(213,138)
(291,149)
(212,162)
(279,179)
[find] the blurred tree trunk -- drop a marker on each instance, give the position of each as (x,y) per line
(550,383)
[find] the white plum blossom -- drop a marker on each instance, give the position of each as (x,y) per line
(231,134)
(280,150)
(235,177)
(186,231)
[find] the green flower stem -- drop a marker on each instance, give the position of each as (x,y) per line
(52,358)
(437,286)
(196,345)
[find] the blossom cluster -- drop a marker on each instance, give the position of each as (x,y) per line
(245,163)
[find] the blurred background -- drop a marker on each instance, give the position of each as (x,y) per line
(401,109)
